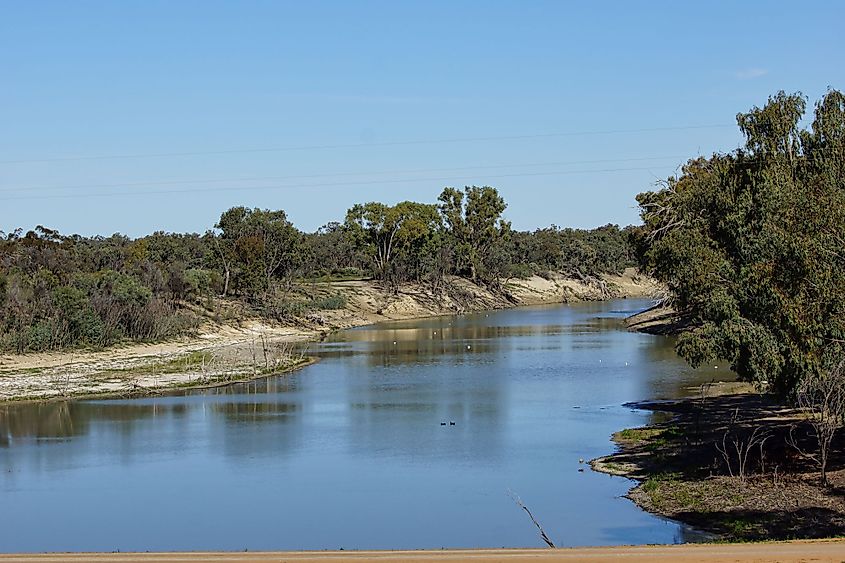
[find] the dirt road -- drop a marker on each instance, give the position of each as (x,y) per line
(818,550)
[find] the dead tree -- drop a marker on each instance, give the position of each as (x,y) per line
(736,446)
(822,398)
(543,535)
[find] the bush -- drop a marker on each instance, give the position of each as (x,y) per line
(521,271)
(351,273)
(199,282)
(337,301)
(286,309)
(39,337)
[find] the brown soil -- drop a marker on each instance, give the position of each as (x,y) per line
(684,476)
(795,551)
(243,348)
(658,320)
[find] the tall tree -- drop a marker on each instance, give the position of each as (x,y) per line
(265,246)
(474,224)
(751,245)
(392,233)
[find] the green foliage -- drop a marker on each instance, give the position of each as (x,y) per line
(337,301)
(257,247)
(335,252)
(125,289)
(476,230)
(63,291)
(394,237)
(200,282)
(520,271)
(751,245)
(651,485)
(575,252)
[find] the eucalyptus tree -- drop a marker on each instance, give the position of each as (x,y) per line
(263,245)
(752,245)
(476,230)
(396,237)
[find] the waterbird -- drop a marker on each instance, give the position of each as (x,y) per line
(580,470)
(442,423)
(451,423)
(580,460)
(468,346)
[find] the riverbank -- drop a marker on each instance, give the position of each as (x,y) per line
(793,551)
(660,320)
(244,348)
(733,463)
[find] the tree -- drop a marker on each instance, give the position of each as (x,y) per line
(394,235)
(263,243)
(473,220)
(333,249)
(822,397)
(751,245)
(69,290)
(224,253)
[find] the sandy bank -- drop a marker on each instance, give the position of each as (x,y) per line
(249,348)
(658,320)
(821,550)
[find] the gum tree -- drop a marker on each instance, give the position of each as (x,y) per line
(752,245)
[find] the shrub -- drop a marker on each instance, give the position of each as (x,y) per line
(337,301)
(199,282)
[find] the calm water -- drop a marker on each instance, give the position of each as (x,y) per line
(350,453)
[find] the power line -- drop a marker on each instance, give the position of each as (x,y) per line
(336,174)
(323,185)
(361,145)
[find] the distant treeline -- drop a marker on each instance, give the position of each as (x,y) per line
(60,291)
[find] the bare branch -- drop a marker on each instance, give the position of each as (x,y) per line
(519,503)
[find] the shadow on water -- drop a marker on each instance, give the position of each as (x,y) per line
(404,435)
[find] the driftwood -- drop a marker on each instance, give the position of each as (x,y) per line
(521,504)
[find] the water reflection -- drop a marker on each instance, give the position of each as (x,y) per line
(361,443)
(51,420)
(66,419)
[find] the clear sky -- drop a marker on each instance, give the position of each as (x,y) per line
(570,109)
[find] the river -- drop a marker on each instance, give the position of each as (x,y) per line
(409,434)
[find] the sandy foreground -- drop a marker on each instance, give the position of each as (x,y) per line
(816,550)
(228,351)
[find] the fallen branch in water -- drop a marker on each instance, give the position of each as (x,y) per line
(521,504)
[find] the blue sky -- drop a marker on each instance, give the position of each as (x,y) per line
(570,109)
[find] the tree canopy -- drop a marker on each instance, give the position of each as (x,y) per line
(59,291)
(752,245)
